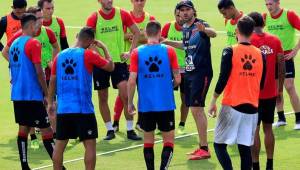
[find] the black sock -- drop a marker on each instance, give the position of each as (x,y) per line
(246,159)
(204,148)
(269,164)
(116,123)
(222,155)
(182,124)
(166,156)
(281,116)
(49,145)
(33,137)
(138,121)
(149,157)
(54,135)
(22,146)
(297,117)
(255,165)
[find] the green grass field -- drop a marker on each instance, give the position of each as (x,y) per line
(74,13)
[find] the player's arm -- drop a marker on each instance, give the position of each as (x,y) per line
(131,85)
(3,23)
(175,44)
(175,67)
(5,52)
(63,35)
(294,20)
(51,91)
(281,71)
(135,36)
(203,27)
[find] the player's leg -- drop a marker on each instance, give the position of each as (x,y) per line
(294,99)
(118,112)
(34,142)
(223,156)
(183,114)
(269,144)
(90,154)
(22,146)
(201,123)
(255,149)
(245,155)
(58,153)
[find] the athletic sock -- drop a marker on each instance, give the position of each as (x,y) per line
(204,148)
(255,165)
(223,156)
(116,123)
(166,155)
(182,124)
(49,143)
(54,135)
(297,117)
(118,108)
(269,164)
(33,137)
(129,125)
(109,126)
(281,116)
(245,155)
(149,155)
(22,147)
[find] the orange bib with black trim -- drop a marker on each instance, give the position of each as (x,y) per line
(12,27)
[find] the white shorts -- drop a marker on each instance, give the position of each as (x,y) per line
(234,127)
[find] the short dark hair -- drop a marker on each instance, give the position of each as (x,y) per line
(19,4)
(26,18)
(257,18)
(33,10)
(41,3)
(86,33)
(225,4)
(245,26)
(153,28)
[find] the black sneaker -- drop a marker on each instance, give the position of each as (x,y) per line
(64,168)
(132,135)
(110,135)
(116,126)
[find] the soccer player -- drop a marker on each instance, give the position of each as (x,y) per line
(173,31)
(240,77)
(271,47)
(141,18)
(108,23)
(71,78)
(198,70)
(151,68)
(10,24)
(29,89)
(231,15)
(284,23)
(56,24)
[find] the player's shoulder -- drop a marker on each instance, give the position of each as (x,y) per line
(33,42)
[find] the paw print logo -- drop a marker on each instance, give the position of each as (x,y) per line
(15,52)
(69,65)
(153,64)
(248,62)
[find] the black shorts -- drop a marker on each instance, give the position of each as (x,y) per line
(181,86)
(101,77)
(290,68)
(72,126)
(266,109)
(196,87)
(164,121)
(31,114)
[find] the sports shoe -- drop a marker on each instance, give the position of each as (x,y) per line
(132,135)
(180,130)
(279,123)
(199,154)
(116,126)
(34,144)
(138,128)
(297,126)
(110,135)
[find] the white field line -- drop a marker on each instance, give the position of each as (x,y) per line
(78,27)
(129,148)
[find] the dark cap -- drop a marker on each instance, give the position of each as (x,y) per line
(19,3)
(185,3)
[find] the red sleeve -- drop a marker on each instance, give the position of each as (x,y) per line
(165,30)
(294,19)
(91,59)
(53,69)
(51,35)
(126,18)
(16,35)
(134,61)
(173,58)
(63,33)
(92,20)
(152,18)
(33,50)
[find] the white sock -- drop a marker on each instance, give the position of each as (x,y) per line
(129,125)
(109,126)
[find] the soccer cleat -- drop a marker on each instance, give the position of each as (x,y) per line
(199,154)
(116,126)
(34,144)
(297,126)
(110,135)
(279,123)
(132,135)
(180,130)
(138,128)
